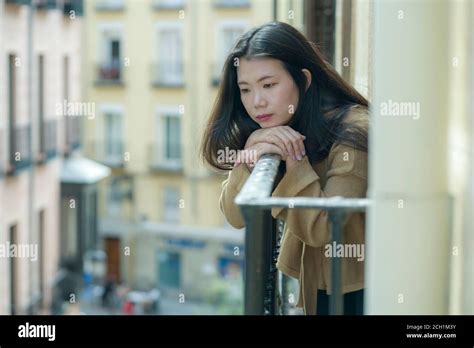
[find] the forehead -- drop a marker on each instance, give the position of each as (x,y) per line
(250,70)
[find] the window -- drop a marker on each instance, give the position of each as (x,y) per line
(109,149)
(231,3)
(167,149)
(171,204)
(66,127)
(12,105)
(41,89)
(113,197)
(168,4)
(69,226)
(169,266)
(113,136)
(170,54)
(228,33)
(110,68)
(109,5)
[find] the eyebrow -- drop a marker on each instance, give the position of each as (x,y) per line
(260,79)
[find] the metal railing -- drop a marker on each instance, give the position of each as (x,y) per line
(262,239)
(109,74)
(168,4)
(167,73)
(73,129)
(73,5)
(48,140)
(231,3)
(19,149)
(109,5)
(109,152)
(158,160)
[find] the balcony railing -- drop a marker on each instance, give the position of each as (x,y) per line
(46,4)
(18,2)
(167,74)
(167,4)
(73,133)
(109,74)
(158,162)
(19,149)
(48,140)
(231,3)
(110,153)
(109,5)
(262,295)
(73,5)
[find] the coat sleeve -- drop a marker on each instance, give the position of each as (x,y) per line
(230,189)
(346,176)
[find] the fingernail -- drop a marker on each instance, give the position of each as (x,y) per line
(303,153)
(299,158)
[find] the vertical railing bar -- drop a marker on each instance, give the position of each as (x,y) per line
(258,258)
(336,303)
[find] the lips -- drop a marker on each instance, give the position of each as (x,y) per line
(264,117)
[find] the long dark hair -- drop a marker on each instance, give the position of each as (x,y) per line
(321,109)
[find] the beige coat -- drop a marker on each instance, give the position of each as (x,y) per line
(307,231)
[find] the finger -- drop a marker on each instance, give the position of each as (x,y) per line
(299,139)
(279,141)
(293,141)
(286,141)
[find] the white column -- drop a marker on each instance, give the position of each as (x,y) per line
(408,239)
(468,279)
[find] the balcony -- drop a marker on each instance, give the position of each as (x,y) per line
(167,4)
(231,3)
(73,5)
(109,74)
(109,5)
(264,293)
(73,133)
(159,162)
(168,74)
(109,153)
(18,2)
(19,147)
(46,4)
(48,141)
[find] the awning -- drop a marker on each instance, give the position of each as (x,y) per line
(81,170)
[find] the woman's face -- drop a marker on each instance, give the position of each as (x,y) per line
(268,92)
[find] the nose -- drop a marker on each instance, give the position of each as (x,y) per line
(259,100)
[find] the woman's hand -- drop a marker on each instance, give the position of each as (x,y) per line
(286,138)
(251,155)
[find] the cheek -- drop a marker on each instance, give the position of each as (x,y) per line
(285,97)
(245,102)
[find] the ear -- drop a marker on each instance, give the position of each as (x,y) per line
(307,73)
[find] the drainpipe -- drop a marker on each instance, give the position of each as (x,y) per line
(275,10)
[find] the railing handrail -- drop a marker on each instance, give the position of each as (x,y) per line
(257,190)
(254,198)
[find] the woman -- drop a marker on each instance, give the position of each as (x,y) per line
(278,95)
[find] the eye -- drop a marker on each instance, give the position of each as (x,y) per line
(244,90)
(268,85)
